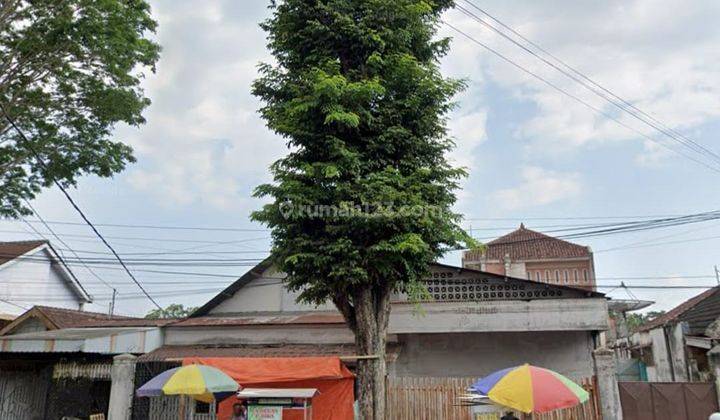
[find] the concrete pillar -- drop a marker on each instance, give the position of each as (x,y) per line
(122,387)
(607,386)
(714,359)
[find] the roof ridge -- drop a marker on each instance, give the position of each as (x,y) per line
(80,312)
(678,310)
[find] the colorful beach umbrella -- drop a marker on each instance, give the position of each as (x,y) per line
(530,389)
(204,383)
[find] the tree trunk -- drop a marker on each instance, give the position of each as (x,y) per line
(372,312)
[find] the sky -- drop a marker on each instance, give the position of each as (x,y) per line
(533,154)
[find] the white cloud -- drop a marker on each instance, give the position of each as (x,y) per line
(468,131)
(539,187)
(204,141)
(664,60)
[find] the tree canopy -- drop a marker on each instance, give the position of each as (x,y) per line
(70,70)
(363,200)
(175,310)
(365,196)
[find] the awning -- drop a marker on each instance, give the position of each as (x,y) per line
(84,340)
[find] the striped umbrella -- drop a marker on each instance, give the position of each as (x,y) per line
(203,383)
(530,389)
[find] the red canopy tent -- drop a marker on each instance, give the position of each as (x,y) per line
(328,374)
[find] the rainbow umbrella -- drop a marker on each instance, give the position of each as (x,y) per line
(530,389)
(204,383)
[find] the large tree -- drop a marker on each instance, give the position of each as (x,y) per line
(70,70)
(362,202)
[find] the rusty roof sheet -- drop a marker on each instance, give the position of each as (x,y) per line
(678,311)
(527,244)
(11,250)
(295,319)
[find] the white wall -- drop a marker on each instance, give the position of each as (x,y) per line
(265,294)
(662,371)
(38,279)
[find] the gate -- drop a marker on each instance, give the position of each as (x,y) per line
(667,400)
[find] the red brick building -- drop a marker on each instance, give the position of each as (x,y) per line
(525,253)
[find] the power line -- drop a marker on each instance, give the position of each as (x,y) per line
(161,227)
(28,144)
(622,104)
(576,98)
(35,212)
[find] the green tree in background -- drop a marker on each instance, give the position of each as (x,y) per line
(362,202)
(635,320)
(70,70)
(175,310)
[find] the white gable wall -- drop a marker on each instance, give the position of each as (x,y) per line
(264,294)
(34,281)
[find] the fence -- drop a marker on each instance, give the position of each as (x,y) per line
(428,398)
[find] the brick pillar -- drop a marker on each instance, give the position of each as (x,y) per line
(122,387)
(607,386)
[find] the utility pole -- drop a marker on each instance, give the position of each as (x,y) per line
(717,275)
(112,303)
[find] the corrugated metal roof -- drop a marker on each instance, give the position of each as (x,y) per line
(306,318)
(85,340)
(74,333)
(674,314)
(266,350)
(704,313)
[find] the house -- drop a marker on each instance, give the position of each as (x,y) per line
(476,323)
(525,253)
(676,346)
(57,362)
(32,273)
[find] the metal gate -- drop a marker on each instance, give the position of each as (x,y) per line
(667,400)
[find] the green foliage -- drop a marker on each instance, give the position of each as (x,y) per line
(70,70)
(635,320)
(174,310)
(358,96)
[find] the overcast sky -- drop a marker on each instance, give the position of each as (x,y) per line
(532,152)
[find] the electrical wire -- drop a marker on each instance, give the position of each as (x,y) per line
(575,97)
(40,161)
(589,83)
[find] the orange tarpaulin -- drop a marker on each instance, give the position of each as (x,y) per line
(328,374)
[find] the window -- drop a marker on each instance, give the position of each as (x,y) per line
(577,278)
(547,276)
(585,275)
(529,275)
(567,277)
(557,276)
(538,276)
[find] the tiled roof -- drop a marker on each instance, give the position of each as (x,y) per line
(526,244)
(72,318)
(11,250)
(309,318)
(59,318)
(678,311)
(260,350)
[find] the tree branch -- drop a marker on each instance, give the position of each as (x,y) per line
(347,311)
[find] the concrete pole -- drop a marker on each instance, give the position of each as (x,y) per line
(714,359)
(122,387)
(607,386)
